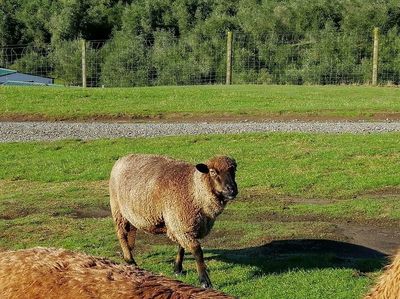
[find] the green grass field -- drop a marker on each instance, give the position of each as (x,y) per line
(294,188)
(201,102)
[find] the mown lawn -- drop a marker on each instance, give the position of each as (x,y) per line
(292,187)
(201,102)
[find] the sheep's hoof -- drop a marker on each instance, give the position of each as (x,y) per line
(178,270)
(179,273)
(131,262)
(205,282)
(206,285)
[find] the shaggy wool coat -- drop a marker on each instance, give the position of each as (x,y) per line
(388,286)
(161,195)
(57,274)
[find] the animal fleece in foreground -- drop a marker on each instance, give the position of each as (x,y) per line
(57,274)
(388,286)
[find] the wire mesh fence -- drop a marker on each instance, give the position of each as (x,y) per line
(290,59)
(327,58)
(148,62)
(27,59)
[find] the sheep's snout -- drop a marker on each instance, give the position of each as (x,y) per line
(230,191)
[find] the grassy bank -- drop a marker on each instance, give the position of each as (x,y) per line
(200,102)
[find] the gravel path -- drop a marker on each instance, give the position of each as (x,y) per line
(29,131)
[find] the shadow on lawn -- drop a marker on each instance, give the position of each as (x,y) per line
(283,255)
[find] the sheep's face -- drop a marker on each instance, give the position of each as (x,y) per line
(221,171)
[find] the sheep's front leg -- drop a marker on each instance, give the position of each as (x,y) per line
(179,260)
(188,241)
(201,266)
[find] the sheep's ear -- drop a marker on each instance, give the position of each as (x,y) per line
(203,168)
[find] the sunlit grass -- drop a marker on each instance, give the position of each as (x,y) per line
(292,186)
(308,165)
(237,101)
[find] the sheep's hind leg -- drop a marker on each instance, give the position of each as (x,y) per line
(126,233)
(178,269)
(131,237)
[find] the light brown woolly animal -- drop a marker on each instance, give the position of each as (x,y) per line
(388,286)
(165,196)
(57,273)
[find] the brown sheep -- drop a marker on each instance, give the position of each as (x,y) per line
(388,286)
(58,273)
(164,196)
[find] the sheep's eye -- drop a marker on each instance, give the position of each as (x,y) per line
(213,172)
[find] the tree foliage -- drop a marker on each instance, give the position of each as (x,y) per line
(174,41)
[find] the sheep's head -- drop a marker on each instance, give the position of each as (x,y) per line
(221,172)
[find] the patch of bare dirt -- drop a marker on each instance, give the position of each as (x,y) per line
(15,213)
(173,117)
(278,217)
(313,201)
(384,239)
(384,192)
(279,256)
(382,235)
(95,212)
(260,195)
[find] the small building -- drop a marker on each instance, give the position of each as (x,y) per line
(11,77)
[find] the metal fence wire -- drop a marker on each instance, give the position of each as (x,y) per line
(327,58)
(288,59)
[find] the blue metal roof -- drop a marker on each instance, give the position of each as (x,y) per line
(24,83)
(4,72)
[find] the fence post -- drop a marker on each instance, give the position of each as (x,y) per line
(375,57)
(229,58)
(83,63)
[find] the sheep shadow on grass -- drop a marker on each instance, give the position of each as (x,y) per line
(284,255)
